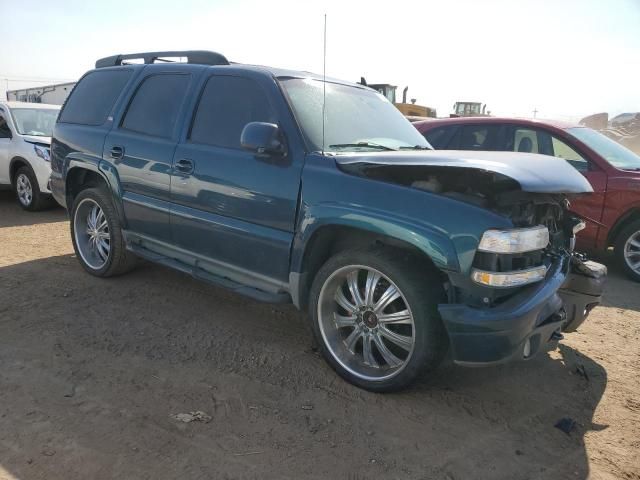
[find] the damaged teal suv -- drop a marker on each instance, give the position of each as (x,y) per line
(288,187)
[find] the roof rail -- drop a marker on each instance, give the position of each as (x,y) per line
(202,57)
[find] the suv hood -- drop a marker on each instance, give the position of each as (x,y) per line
(36,139)
(533,172)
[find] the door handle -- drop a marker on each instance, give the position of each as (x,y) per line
(184,166)
(117,152)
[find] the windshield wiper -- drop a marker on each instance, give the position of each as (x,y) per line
(415,147)
(362,144)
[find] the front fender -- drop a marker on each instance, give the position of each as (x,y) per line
(445,229)
(437,246)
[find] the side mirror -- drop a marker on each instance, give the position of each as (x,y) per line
(262,138)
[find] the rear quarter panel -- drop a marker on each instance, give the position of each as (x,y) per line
(80,146)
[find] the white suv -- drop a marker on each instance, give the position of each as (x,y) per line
(25,162)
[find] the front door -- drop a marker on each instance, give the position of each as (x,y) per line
(230,207)
(142,146)
(525,139)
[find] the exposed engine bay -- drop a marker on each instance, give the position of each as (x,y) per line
(482,188)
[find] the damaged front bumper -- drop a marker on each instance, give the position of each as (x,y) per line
(522,325)
(582,291)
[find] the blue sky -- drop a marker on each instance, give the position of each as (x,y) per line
(565,58)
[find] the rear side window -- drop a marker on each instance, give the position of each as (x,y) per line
(93,97)
(478,137)
(155,105)
(526,141)
(439,137)
(227,105)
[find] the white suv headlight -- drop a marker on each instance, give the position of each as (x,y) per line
(42,152)
(517,240)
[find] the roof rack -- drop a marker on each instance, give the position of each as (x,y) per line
(201,57)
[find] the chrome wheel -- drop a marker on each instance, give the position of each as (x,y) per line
(632,252)
(24,190)
(366,322)
(91,231)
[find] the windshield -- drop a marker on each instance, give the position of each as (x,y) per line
(356,119)
(34,121)
(468,109)
(617,155)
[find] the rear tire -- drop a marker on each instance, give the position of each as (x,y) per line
(96,233)
(27,190)
(627,250)
(405,336)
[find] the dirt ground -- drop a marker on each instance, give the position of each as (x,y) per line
(91,372)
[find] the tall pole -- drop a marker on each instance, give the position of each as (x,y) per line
(324,76)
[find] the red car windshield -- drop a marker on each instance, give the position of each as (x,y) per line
(616,154)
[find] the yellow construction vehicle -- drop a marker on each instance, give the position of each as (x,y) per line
(407,109)
(470,109)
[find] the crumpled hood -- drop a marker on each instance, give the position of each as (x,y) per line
(36,139)
(534,173)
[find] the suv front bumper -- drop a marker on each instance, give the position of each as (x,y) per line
(521,326)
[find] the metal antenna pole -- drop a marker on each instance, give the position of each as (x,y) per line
(324,78)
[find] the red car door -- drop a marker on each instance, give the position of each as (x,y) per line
(536,140)
(591,206)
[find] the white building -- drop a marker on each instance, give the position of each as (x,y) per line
(51,94)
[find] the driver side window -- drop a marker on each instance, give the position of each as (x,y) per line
(5,132)
(530,140)
(562,150)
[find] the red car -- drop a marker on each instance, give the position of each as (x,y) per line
(612,170)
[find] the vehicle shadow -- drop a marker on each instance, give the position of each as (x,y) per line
(537,413)
(92,369)
(11,215)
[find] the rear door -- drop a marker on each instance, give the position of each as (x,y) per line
(230,206)
(141,147)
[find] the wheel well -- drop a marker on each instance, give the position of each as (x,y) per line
(623,221)
(15,165)
(333,239)
(79,179)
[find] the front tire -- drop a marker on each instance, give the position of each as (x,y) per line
(96,234)
(25,186)
(374,315)
(627,250)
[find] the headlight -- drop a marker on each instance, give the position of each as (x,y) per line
(517,240)
(509,279)
(43,152)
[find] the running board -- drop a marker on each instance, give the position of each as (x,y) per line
(200,274)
